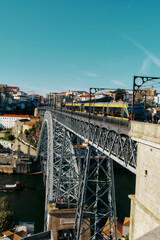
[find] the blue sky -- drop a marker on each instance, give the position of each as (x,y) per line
(60,45)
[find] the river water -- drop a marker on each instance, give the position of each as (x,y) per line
(28,205)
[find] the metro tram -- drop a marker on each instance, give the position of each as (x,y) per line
(117,110)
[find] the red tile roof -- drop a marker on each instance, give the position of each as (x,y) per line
(12,87)
(36,118)
(126,221)
(87,95)
(109,92)
(7,233)
(22,233)
(14,236)
(14,115)
(120,225)
(30,124)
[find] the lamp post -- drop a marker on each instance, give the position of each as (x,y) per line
(94,91)
(72,103)
(136,87)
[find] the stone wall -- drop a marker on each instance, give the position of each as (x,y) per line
(145,205)
(146,131)
(24,148)
(7,169)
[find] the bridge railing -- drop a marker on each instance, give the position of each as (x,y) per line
(103,119)
(110,139)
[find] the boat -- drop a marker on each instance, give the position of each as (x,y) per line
(12,187)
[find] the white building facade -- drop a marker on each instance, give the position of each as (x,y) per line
(8,120)
(156,99)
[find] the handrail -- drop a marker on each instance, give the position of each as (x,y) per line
(104,119)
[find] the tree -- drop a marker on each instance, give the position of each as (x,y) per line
(127,237)
(26,132)
(10,137)
(120,94)
(6,215)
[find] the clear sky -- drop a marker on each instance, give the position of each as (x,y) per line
(61,45)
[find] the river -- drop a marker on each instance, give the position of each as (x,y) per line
(28,205)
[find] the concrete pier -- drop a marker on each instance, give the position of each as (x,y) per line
(61,219)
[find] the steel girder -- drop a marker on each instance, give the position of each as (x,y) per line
(65,169)
(118,146)
(59,164)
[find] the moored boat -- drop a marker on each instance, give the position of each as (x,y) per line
(12,187)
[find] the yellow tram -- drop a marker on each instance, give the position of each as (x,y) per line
(117,110)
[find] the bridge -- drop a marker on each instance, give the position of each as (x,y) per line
(76,155)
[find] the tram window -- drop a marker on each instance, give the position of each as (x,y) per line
(117,112)
(77,108)
(114,111)
(110,111)
(105,111)
(86,108)
(98,110)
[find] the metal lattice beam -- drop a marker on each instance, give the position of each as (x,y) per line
(96,210)
(118,146)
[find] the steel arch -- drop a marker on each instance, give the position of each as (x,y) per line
(59,164)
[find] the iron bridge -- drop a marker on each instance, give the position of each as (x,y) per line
(76,155)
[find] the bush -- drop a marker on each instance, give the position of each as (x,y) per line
(127,237)
(26,132)
(10,137)
(6,216)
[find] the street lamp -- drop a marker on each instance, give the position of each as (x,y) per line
(136,87)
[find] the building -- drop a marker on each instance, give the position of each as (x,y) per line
(3,88)
(122,228)
(28,125)
(56,99)
(12,89)
(18,127)
(16,236)
(8,120)
(156,99)
(85,97)
(21,96)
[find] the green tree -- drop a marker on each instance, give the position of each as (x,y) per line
(26,132)
(10,137)
(120,94)
(6,215)
(127,237)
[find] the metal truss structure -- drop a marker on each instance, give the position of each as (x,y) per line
(83,177)
(96,209)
